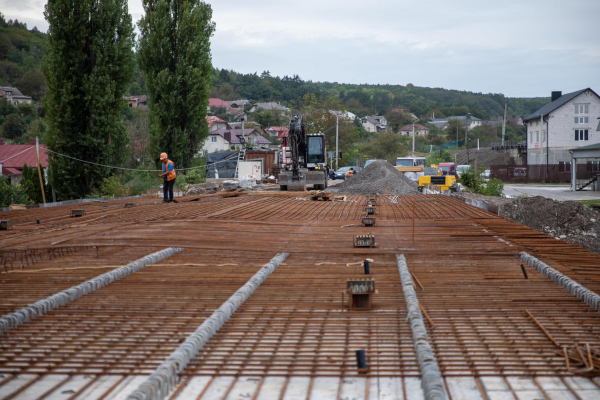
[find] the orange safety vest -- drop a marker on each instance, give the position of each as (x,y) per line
(170,174)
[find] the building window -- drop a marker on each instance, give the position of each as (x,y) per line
(213,139)
(537,136)
(582,108)
(582,120)
(581,134)
(531,137)
(544,136)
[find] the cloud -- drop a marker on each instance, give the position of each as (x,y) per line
(477,45)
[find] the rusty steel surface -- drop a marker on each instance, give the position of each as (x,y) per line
(484,317)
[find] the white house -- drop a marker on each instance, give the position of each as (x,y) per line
(473,121)
(375,123)
(418,128)
(227,139)
(568,121)
(215,123)
(14,95)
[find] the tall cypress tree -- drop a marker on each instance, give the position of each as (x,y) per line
(175,59)
(87,69)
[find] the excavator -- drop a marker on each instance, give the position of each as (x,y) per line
(304,159)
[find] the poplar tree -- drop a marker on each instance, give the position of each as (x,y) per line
(89,64)
(175,59)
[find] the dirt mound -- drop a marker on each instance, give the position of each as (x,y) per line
(565,220)
(379,177)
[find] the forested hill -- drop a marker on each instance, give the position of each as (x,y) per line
(365,99)
(22,49)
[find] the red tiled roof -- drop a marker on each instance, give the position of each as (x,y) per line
(212,102)
(11,171)
(14,156)
(282,131)
(211,119)
(140,99)
(418,127)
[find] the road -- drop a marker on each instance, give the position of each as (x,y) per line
(556,192)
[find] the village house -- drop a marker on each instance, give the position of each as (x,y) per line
(136,101)
(568,121)
(243,104)
(272,106)
(418,129)
(376,123)
(215,123)
(14,96)
(214,103)
(275,131)
(228,139)
(14,156)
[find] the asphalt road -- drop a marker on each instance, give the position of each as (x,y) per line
(556,192)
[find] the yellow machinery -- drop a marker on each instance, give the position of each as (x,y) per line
(443,182)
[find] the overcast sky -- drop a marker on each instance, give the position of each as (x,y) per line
(521,48)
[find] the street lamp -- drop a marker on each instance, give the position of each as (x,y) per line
(467,121)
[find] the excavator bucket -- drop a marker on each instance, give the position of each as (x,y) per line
(286,182)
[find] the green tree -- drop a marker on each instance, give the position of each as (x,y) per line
(30,182)
(14,127)
(175,59)
(87,69)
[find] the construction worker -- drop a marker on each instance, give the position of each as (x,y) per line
(349,173)
(168,168)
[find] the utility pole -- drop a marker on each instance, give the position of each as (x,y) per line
(504,123)
(467,118)
(37,158)
(337,151)
(413,152)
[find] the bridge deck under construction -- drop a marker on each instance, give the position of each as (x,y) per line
(499,328)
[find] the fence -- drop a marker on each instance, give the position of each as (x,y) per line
(555,173)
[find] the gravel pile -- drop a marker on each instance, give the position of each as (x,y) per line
(379,177)
(565,220)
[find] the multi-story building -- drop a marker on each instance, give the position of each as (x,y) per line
(568,121)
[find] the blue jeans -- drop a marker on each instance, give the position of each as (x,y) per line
(168,190)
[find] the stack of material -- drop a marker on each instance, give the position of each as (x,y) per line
(202,188)
(379,177)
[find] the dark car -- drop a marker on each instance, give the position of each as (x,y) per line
(341,172)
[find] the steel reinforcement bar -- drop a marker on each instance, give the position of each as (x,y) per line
(586,295)
(431,377)
(42,307)
(164,379)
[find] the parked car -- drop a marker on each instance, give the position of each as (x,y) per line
(341,172)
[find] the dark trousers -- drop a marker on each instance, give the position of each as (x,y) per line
(168,190)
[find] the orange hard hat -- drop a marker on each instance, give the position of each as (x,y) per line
(163,156)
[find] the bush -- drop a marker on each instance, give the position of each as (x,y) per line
(10,194)
(472,179)
(195,176)
(112,187)
(494,187)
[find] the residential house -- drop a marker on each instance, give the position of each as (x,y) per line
(136,101)
(213,103)
(275,131)
(272,106)
(462,119)
(374,123)
(14,95)
(14,156)
(418,129)
(227,139)
(440,123)
(215,123)
(568,121)
(243,104)
(237,113)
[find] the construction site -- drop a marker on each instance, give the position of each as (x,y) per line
(271,295)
